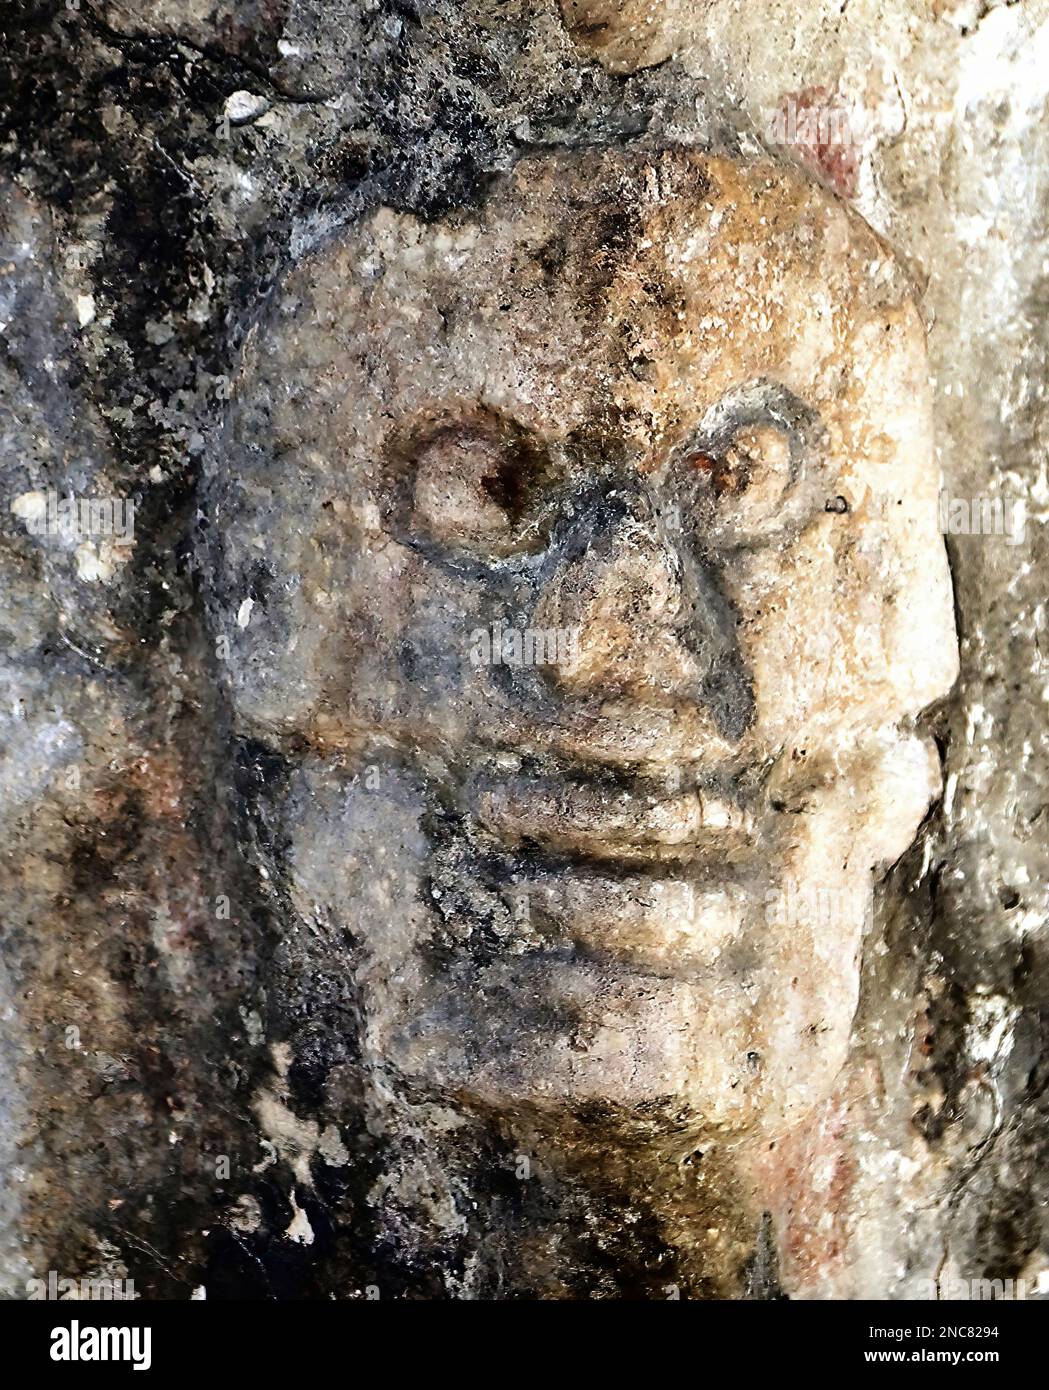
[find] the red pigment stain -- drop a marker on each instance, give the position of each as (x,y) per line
(816,124)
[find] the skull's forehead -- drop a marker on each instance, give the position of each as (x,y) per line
(620,286)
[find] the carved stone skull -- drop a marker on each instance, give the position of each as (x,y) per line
(580,551)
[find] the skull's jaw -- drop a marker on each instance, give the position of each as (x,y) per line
(714,994)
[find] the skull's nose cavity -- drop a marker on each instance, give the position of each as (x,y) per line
(647,613)
(621,594)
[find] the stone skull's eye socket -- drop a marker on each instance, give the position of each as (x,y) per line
(718,472)
(475,484)
(740,482)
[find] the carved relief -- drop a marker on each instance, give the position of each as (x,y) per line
(580,553)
